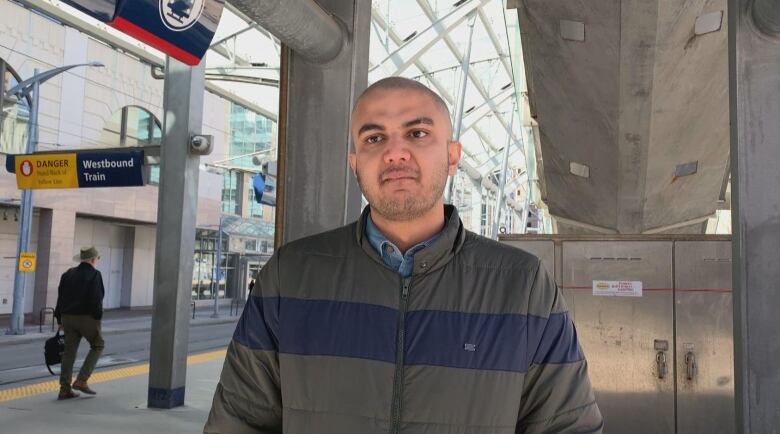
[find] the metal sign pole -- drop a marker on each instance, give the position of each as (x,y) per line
(25,221)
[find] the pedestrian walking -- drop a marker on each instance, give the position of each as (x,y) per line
(79,312)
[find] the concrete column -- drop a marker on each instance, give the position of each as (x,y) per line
(56,240)
(754,94)
(319,191)
(176,213)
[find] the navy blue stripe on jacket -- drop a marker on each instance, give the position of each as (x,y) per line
(503,342)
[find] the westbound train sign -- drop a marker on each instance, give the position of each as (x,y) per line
(83,169)
(182,29)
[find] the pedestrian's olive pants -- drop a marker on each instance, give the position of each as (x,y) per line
(76,327)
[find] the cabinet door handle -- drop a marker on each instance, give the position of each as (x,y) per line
(660,360)
(690,365)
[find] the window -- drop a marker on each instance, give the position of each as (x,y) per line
(134,126)
(230,193)
(15,114)
(249,133)
(255,209)
(250,245)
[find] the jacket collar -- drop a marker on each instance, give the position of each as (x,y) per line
(436,255)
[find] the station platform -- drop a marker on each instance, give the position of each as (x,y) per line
(118,407)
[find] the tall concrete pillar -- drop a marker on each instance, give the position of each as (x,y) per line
(56,240)
(754,58)
(319,191)
(176,212)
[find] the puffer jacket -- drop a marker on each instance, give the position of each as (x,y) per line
(476,341)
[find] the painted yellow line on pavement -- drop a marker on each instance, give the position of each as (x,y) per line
(98,377)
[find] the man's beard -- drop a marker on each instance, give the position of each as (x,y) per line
(412,206)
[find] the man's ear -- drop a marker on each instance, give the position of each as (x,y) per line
(454,149)
(352,158)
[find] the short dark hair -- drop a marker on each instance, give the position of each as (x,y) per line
(402,83)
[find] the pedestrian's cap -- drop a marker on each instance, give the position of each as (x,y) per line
(86,254)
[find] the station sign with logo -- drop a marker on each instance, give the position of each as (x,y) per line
(84,169)
(182,29)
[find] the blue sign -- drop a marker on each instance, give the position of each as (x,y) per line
(182,29)
(265,189)
(110,169)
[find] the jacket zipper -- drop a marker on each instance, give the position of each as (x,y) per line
(398,385)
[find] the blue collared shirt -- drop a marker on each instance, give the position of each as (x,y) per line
(390,253)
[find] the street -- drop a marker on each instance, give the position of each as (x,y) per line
(24,362)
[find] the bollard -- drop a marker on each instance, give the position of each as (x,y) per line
(40,318)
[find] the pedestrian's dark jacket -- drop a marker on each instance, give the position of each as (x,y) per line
(80,293)
(477,341)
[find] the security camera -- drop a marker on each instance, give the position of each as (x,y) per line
(201,144)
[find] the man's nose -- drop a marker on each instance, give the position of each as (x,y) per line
(396,150)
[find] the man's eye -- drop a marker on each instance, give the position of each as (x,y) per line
(374,139)
(418,134)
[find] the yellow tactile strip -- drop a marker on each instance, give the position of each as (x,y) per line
(98,377)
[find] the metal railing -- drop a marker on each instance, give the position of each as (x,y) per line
(237,303)
(41,314)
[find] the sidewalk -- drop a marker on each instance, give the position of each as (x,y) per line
(119,406)
(119,321)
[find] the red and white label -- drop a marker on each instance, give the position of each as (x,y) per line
(617,288)
(26,168)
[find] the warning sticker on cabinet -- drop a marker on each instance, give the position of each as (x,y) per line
(617,288)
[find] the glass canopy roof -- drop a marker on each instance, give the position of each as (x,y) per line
(421,39)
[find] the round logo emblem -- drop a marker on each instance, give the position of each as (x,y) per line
(180,15)
(27,263)
(27,167)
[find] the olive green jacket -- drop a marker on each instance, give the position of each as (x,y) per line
(477,341)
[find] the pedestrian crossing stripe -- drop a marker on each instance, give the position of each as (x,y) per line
(98,377)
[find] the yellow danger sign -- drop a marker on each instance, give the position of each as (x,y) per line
(47,171)
(27,262)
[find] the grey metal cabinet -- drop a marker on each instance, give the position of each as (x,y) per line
(704,349)
(633,379)
(661,362)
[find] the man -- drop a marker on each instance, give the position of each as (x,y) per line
(79,311)
(403,322)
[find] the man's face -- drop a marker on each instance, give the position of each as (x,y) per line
(403,153)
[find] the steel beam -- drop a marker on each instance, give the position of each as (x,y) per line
(502,180)
(426,7)
(176,212)
(407,54)
(471,118)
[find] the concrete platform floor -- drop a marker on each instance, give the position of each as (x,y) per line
(119,406)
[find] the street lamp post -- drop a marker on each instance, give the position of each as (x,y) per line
(21,90)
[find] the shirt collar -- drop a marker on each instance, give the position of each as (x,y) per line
(380,242)
(430,254)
